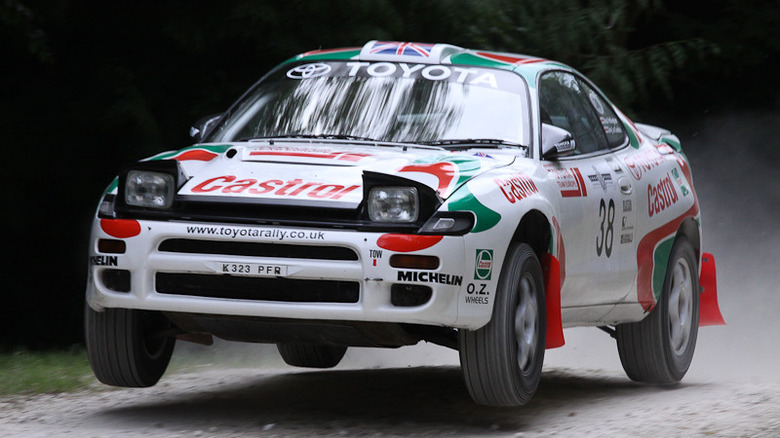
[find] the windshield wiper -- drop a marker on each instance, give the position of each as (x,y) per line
(316,136)
(469,143)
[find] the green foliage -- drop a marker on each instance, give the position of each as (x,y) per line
(24,372)
(597,37)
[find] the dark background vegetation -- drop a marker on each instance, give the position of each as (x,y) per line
(88,86)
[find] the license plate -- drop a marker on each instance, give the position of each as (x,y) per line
(248,269)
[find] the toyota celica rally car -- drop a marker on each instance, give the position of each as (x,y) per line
(402,192)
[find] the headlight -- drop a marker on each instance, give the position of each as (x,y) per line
(393,204)
(149,189)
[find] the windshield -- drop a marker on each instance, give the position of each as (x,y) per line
(383,101)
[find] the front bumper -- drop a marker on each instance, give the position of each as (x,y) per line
(269,272)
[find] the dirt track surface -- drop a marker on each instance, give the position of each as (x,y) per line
(418,401)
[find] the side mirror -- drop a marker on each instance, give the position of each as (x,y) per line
(199,129)
(556,142)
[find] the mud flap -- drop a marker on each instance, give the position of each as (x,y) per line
(552,281)
(709,312)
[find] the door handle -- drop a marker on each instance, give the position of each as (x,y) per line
(626,187)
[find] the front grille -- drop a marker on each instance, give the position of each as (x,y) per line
(258,288)
(255,249)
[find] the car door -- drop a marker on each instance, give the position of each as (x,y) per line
(596,205)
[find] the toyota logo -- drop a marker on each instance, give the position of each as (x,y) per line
(307,71)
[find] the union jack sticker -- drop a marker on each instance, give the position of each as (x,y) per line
(399,48)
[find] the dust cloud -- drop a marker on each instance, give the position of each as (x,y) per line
(734,158)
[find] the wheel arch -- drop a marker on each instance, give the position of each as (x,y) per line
(689,228)
(534,229)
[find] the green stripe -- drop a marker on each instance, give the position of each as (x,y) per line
(674,144)
(464,200)
(631,136)
(660,265)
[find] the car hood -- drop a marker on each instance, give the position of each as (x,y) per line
(314,173)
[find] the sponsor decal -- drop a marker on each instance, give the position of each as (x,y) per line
(276,187)
(308,71)
(477,293)
(594,99)
(611,125)
(102,260)
(601,179)
(626,238)
(435,72)
(309,153)
(569,181)
(516,187)
(483,264)
(642,162)
(661,196)
(680,182)
(430,277)
(260,233)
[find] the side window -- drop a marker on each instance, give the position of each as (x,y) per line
(613,127)
(564,102)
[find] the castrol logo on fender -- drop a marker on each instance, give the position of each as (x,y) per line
(643,162)
(661,196)
(516,187)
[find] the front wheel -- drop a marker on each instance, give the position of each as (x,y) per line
(659,349)
(502,361)
(128,347)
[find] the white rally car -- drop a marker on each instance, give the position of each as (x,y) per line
(399,192)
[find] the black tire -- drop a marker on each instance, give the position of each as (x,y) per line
(659,349)
(311,356)
(502,361)
(125,348)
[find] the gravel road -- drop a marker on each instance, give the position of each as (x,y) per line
(358,399)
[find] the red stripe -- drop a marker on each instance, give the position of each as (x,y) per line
(644,256)
(445,172)
(581,190)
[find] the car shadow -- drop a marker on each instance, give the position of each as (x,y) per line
(418,401)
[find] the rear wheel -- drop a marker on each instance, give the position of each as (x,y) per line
(128,347)
(311,356)
(659,349)
(502,361)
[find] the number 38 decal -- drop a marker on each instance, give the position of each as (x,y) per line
(607,231)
